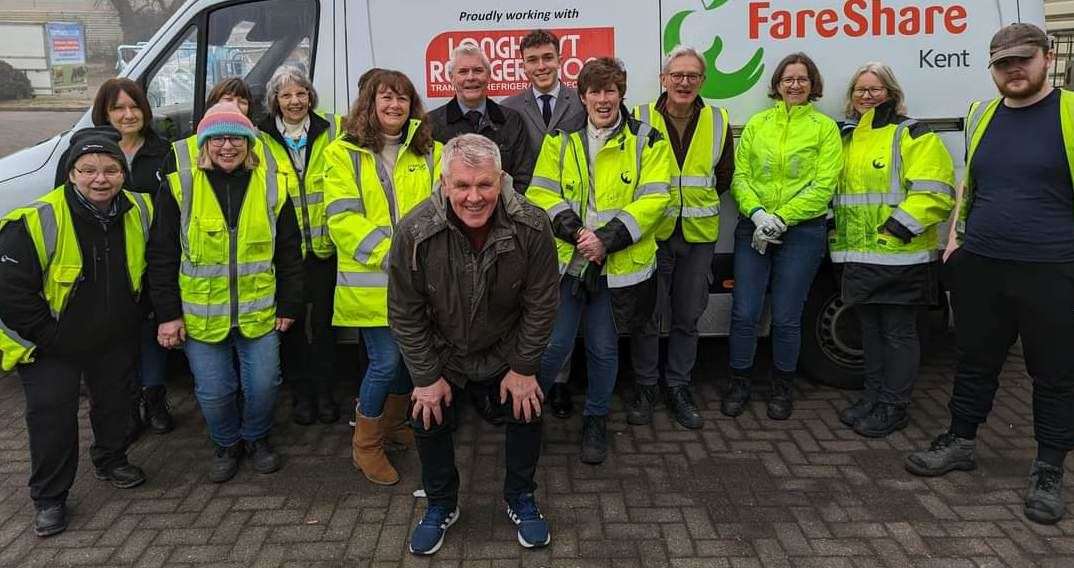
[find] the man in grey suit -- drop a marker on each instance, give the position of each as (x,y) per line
(546,106)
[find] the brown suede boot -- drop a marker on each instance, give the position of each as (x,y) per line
(397,432)
(367,449)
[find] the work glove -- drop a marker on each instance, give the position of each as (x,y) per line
(761,241)
(771,225)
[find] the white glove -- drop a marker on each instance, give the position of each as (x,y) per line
(770,225)
(761,241)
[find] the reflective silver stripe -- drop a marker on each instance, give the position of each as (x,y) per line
(557,209)
(352,204)
(221,310)
(643,135)
(631,224)
(314,198)
(696,212)
(884,258)
(866,199)
(331,118)
(717,136)
(546,183)
(895,186)
(932,187)
(657,187)
(362,279)
(977,112)
(907,221)
(192,270)
(429,164)
(22,341)
(319,231)
(693,181)
(139,201)
(606,215)
(624,280)
(387,183)
(186,190)
(49,230)
(644,113)
(272,190)
(368,244)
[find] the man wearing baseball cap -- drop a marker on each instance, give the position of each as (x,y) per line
(1011,261)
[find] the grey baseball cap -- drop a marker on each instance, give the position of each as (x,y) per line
(1017,40)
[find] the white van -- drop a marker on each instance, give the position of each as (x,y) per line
(938,48)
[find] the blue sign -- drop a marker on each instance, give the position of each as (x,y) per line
(66,43)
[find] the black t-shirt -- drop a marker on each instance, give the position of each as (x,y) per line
(1023,203)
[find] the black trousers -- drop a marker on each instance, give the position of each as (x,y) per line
(308,349)
(892,351)
(436,448)
(51,385)
(994,302)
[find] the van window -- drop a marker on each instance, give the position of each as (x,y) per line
(251,40)
(170,89)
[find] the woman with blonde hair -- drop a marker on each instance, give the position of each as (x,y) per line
(896,187)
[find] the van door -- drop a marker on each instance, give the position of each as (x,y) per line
(248,40)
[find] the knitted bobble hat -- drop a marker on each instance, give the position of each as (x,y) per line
(225,119)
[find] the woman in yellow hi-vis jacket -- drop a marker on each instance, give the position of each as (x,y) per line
(384,165)
(897,187)
(786,168)
(605,188)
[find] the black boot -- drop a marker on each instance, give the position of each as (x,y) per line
(50,519)
(781,401)
(122,476)
(135,424)
(683,409)
(303,404)
(225,463)
(562,407)
(327,409)
(265,459)
(594,439)
(737,396)
(883,420)
(854,413)
(641,408)
(158,418)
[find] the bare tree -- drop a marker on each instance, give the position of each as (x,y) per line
(140,18)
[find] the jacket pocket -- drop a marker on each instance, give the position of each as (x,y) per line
(212,241)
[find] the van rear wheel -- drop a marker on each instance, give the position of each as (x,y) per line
(832,351)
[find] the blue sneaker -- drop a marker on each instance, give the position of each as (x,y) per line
(427,537)
(532,528)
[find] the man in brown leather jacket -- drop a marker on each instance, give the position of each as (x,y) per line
(472,296)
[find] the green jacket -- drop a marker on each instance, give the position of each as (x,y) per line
(788,163)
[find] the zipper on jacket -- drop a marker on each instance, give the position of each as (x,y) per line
(233,259)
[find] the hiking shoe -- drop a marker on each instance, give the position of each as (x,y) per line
(947,452)
(641,408)
(856,411)
(303,409)
(50,520)
(737,396)
(158,416)
(427,537)
(781,402)
(123,476)
(562,407)
(265,459)
(682,407)
(883,420)
(225,463)
(532,528)
(594,439)
(327,409)
(1044,498)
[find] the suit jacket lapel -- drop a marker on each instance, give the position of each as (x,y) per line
(566,98)
(533,108)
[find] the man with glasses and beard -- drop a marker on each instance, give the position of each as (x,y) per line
(1011,260)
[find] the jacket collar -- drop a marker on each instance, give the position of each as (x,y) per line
(409,131)
(123,203)
(509,210)
(796,110)
(317,125)
(492,110)
(662,102)
(154,146)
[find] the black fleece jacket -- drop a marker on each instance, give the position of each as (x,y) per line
(164,249)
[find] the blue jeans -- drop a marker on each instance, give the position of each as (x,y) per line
(153,359)
(786,272)
(601,344)
(386,373)
(216,385)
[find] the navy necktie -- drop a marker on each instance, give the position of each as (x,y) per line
(546,108)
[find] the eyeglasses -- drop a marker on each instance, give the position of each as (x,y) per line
(219,141)
(872,91)
(689,78)
(791,81)
(90,173)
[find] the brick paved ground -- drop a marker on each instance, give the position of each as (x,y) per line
(744,492)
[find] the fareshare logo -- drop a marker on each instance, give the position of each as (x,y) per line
(718,84)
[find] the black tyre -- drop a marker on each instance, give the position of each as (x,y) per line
(831,338)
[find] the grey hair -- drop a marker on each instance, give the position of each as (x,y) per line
(887,77)
(464,50)
(680,51)
(287,75)
(473,149)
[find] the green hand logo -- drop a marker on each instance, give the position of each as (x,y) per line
(718,84)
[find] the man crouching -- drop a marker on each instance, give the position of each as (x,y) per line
(472,296)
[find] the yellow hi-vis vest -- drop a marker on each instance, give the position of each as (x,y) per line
(226,276)
(977,120)
(51,228)
(626,180)
(692,194)
(364,203)
(887,172)
(307,192)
